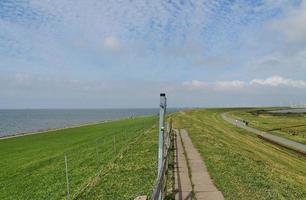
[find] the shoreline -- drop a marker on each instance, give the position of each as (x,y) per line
(52,129)
(66,127)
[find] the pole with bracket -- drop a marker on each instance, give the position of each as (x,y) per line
(163,105)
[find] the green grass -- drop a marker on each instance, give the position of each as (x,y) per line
(33,167)
(291,125)
(243,166)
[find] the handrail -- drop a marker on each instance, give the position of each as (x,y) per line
(160,183)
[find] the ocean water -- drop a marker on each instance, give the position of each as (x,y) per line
(292,110)
(31,120)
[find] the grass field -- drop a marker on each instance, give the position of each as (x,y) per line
(115,160)
(243,166)
(288,125)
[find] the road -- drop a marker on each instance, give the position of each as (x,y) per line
(267,136)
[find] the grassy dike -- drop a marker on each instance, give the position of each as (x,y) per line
(288,125)
(243,166)
(114,160)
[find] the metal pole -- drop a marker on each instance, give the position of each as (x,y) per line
(114,144)
(162,111)
(67,179)
(97,152)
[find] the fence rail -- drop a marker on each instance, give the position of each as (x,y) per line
(161,181)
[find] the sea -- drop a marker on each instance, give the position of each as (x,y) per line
(22,121)
(292,110)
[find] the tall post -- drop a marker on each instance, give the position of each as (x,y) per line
(161,130)
(67,179)
(162,111)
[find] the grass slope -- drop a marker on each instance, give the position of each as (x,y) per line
(242,165)
(288,125)
(33,167)
(132,174)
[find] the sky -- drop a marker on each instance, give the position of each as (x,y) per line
(120,53)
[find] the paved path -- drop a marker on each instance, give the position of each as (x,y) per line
(191,175)
(183,187)
(272,138)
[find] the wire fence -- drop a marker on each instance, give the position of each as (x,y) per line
(65,175)
(90,160)
(160,188)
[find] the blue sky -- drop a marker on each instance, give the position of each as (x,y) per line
(102,53)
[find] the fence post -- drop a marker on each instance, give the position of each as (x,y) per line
(97,152)
(163,105)
(67,178)
(114,144)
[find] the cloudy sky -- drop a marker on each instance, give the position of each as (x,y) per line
(111,53)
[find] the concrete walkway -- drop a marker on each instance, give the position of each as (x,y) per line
(183,187)
(192,180)
(267,136)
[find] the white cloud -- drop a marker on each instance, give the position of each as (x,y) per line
(275,81)
(284,63)
(31,82)
(293,25)
(228,85)
(22,78)
(195,84)
(112,43)
(217,61)
(218,85)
